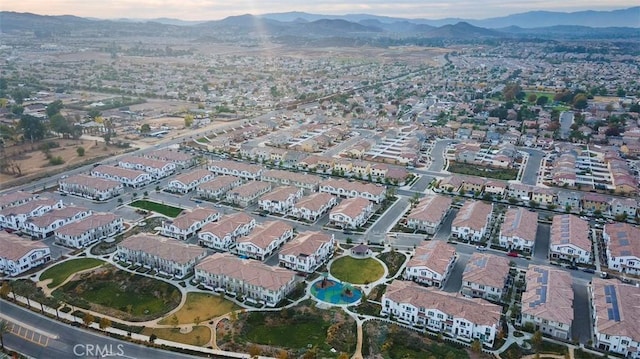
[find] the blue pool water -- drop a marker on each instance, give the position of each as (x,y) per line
(334,292)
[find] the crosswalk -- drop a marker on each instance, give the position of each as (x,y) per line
(28,334)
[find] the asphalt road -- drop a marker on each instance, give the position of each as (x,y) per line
(530,174)
(541,245)
(437,155)
(422,183)
(63,339)
(454,282)
(581,326)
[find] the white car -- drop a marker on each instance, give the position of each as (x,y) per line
(481,248)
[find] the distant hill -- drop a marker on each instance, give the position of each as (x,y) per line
(301,28)
(629,17)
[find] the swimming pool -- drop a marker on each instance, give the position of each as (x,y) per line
(335,292)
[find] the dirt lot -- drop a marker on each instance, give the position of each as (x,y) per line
(33,162)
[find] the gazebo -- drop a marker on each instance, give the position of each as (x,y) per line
(361,250)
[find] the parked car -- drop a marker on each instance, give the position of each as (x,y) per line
(588,270)
(481,248)
(513,254)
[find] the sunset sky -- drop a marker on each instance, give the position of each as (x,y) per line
(217,9)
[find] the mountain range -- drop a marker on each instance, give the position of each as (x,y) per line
(372,29)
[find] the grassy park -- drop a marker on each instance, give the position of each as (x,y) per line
(122,294)
(60,272)
(357,271)
(200,307)
(164,209)
(199,336)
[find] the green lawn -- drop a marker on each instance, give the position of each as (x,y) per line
(357,271)
(123,294)
(475,170)
(60,272)
(168,211)
(199,336)
(312,330)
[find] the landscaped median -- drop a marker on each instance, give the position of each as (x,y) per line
(164,209)
(60,272)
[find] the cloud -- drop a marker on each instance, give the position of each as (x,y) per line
(216,9)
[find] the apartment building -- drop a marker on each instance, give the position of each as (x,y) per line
(43,226)
(187,182)
(431,263)
(615,313)
(248,193)
(242,170)
(439,312)
(188,223)
(180,159)
(485,276)
(91,229)
(307,252)
(348,189)
(547,302)
(429,213)
(156,168)
(472,221)
(218,187)
(223,234)
(13,218)
(128,177)
(570,239)
(16,198)
(307,182)
(280,200)
(97,189)
(623,247)
(314,206)
(254,280)
(264,240)
(519,229)
(18,255)
(166,255)
(351,213)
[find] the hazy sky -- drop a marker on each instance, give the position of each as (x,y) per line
(217,9)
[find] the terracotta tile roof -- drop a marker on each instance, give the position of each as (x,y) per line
(475,310)
(28,207)
(486,269)
(569,229)
(195,175)
(280,194)
(351,207)
(265,233)
(13,247)
(250,188)
(314,202)
(520,223)
(56,214)
(355,186)
(147,162)
(86,224)
(616,308)
(118,171)
(166,248)
(549,294)
(187,218)
(473,214)
(227,224)
(292,176)
(100,184)
(218,183)
(13,197)
(239,166)
(431,209)
(249,271)
(434,255)
(306,244)
(624,239)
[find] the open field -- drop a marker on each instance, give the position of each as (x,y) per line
(357,271)
(60,272)
(200,335)
(200,307)
(34,164)
(168,211)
